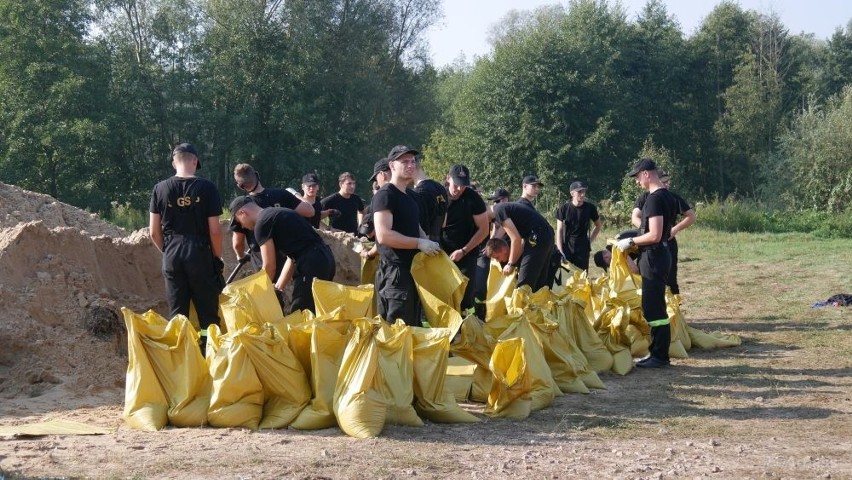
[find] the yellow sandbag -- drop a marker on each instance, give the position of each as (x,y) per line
(510,391)
(622,284)
(564,365)
(396,367)
(459,379)
(326,341)
(285,385)
(678,324)
(355,301)
(712,340)
(612,329)
(249,300)
(500,287)
(433,400)
(475,346)
(167,379)
(543,389)
(237,398)
(639,342)
(369,266)
(440,285)
(573,326)
(359,404)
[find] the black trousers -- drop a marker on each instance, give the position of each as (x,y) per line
(654,265)
(672,282)
(480,285)
(467,266)
(397,293)
(191,275)
(534,269)
(579,256)
(315,262)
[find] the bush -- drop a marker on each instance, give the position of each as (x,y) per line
(126,216)
(745,216)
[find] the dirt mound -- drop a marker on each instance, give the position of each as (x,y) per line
(66,272)
(18,205)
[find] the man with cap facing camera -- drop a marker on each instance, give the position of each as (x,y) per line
(248,180)
(572,227)
(184,226)
(310,188)
(530,188)
(399,236)
(658,214)
(466,227)
(281,232)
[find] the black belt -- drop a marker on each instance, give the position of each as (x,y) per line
(655,246)
(188,236)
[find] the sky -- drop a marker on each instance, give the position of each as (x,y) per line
(464,29)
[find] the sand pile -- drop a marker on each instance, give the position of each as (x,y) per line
(65,273)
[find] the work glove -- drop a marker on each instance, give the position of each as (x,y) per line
(428,246)
(625,244)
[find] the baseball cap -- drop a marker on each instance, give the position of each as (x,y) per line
(532,180)
(380,166)
(399,151)
(641,166)
(499,193)
(577,186)
(310,179)
(460,175)
(235,206)
(186,148)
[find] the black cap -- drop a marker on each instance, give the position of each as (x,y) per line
(460,175)
(399,151)
(577,186)
(382,165)
(310,179)
(532,180)
(236,205)
(499,193)
(641,166)
(186,148)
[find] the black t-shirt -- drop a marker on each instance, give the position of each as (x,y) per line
(432,199)
(526,219)
(291,232)
(526,202)
(348,208)
(575,225)
(659,203)
(460,226)
(185,204)
(315,220)
(682,205)
(406,216)
(269,197)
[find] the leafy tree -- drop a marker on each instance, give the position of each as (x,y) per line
(50,87)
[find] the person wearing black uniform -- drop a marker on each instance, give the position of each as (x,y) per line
(530,243)
(281,232)
(345,205)
(310,187)
(483,262)
(465,228)
(684,210)
(658,214)
(399,236)
(572,227)
(184,226)
(432,200)
(530,187)
(248,180)
(381,176)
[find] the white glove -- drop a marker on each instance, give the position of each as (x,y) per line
(624,244)
(428,246)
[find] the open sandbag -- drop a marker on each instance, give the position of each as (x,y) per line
(712,340)
(510,390)
(459,378)
(573,326)
(499,288)
(680,334)
(566,366)
(543,389)
(612,329)
(167,380)
(237,398)
(354,301)
(249,300)
(440,285)
(473,345)
(433,401)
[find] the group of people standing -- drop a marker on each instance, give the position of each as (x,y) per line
(409,213)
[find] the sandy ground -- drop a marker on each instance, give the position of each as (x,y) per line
(774,407)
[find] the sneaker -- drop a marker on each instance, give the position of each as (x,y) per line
(651,362)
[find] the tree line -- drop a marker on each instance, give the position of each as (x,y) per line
(93,94)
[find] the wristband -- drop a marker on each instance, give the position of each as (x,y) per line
(513,265)
(463,251)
